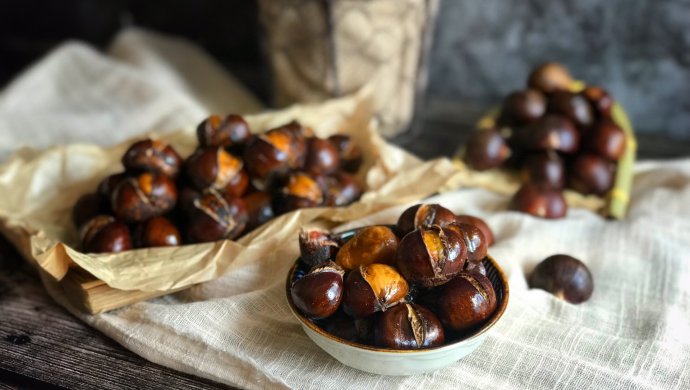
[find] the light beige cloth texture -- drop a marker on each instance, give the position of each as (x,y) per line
(634,333)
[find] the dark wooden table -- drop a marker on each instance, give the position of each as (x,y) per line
(42,345)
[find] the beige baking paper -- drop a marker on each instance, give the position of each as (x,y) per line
(39,188)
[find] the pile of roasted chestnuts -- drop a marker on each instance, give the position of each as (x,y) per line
(556,138)
(419,284)
(232,183)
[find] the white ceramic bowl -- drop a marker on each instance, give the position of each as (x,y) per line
(402,362)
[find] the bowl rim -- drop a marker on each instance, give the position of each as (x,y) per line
(497,314)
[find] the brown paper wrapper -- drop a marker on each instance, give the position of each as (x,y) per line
(39,189)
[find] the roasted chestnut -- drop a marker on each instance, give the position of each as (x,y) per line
(142,197)
(300,190)
(607,140)
(274,153)
(591,174)
(475,266)
(228,132)
(89,206)
(214,217)
(424,215)
(153,156)
(408,326)
(318,293)
(466,301)
(373,288)
(540,201)
(259,208)
(350,154)
(573,106)
(322,157)
(486,149)
(563,276)
(523,107)
(215,168)
(545,169)
(341,189)
(550,77)
(317,246)
(103,234)
(107,186)
(474,240)
(186,198)
(600,100)
(553,132)
(373,244)
(156,232)
(480,223)
(431,256)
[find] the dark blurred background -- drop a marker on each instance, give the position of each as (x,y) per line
(638,49)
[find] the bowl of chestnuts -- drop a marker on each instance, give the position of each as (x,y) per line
(564,142)
(399,299)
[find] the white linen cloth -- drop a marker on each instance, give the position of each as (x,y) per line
(633,333)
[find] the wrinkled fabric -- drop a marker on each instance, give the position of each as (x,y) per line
(633,333)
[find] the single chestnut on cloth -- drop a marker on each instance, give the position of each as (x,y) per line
(145,196)
(152,156)
(563,276)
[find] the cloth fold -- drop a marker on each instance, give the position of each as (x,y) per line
(633,333)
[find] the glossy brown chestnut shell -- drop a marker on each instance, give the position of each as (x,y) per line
(322,157)
(104,234)
(318,293)
(545,169)
(373,244)
(563,276)
(524,107)
(431,256)
(424,215)
(554,132)
(480,223)
(408,326)
(599,99)
(144,196)
(300,190)
(215,168)
(227,132)
(373,288)
(540,201)
(317,246)
(607,140)
(156,232)
(350,154)
(591,174)
(475,267)
(466,301)
(572,106)
(107,186)
(259,208)
(550,77)
(474,239)
(274,153)
(341,189)
(214,217)
(89,206)
(153,156)
(486,149)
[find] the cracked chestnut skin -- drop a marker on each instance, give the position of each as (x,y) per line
(373,288)
(466,301)
(229,132)
(299,190)
(318,293)
(147,195)
(213,167)
(424,215)
(474,240)
(563,276)
(274,153)
(317,246)
(480,223)
(104,234)
(152,156)
(213,217)
(431,256)
(408,326)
